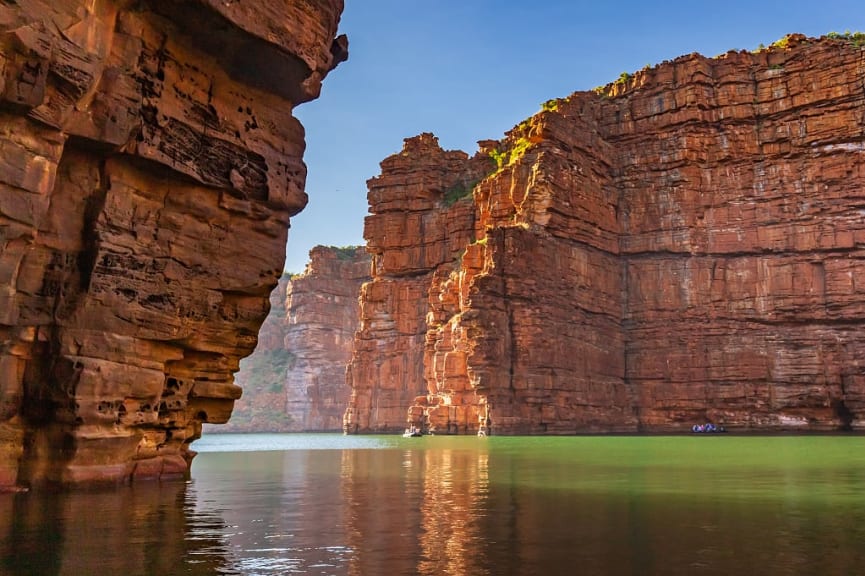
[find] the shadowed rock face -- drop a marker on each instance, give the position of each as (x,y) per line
(146,185)
(295,379)
(322,320)
(686,245)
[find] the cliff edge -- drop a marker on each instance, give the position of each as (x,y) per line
(295,379)
(322,320)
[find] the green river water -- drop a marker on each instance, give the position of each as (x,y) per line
(264,504)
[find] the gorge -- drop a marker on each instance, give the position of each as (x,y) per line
(149,165)
(686,244)
(295,379)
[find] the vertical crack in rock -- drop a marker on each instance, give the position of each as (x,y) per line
(93,209)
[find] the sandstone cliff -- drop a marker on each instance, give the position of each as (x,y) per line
(295,379)
(414,235)
(321,322)
(686,244)
(149,164)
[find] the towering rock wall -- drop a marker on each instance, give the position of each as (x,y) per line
(744,243)
(685,244)
(321,323)
(149,164)
(415,233)
(295,379)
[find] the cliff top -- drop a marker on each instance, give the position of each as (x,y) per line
(774,57)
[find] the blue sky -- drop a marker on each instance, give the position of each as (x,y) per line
(469,70)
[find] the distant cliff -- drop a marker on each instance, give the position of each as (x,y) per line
(322,320)
(149,165)
(295,380)
(684,245)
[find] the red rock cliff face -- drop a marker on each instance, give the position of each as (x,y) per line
(322,320)
(295,379)
(414,235)
(686,245)
(149,164)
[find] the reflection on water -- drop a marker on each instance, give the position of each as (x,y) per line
(415,511)
(455,496)
(334,505)
(136,530)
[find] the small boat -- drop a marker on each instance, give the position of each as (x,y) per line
(707,428)
(412,433)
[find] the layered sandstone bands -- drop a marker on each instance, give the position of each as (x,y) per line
(683,246)
(295,379)
(146,183)
(413,237)
(322,319)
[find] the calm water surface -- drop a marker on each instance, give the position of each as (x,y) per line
(329,504)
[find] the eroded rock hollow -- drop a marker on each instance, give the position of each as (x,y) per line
(684,245)
(149,164)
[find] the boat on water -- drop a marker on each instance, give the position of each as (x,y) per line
(412,432)
(707,428)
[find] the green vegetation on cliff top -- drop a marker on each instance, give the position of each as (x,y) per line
(505,157)
(855,38)
(344,252)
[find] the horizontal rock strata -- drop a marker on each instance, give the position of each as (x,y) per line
(322,319)
(413,237)
(684,245)
(149,164)
(295,379)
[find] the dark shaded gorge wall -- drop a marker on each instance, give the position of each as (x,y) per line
(295,380)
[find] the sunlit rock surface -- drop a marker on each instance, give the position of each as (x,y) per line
(149,164)
(414,236)
(684,245)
